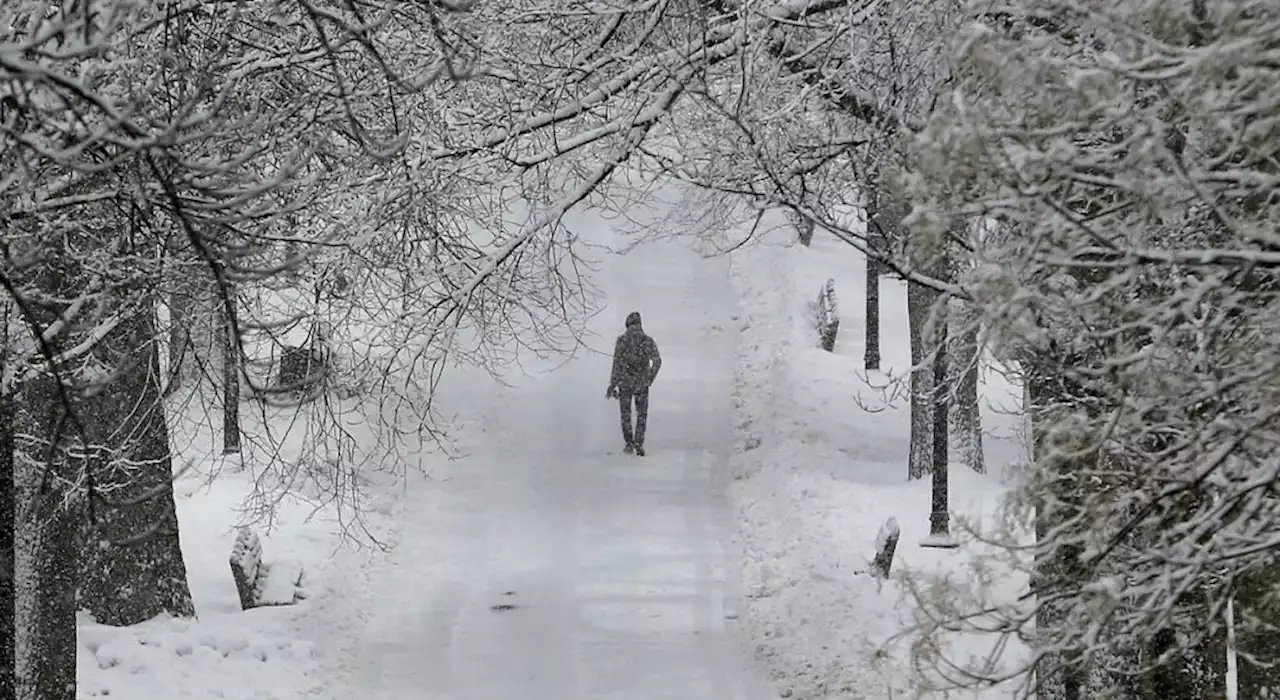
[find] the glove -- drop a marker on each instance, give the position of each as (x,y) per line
(611,392)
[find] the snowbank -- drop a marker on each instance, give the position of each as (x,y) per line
(268,653)
(820,466)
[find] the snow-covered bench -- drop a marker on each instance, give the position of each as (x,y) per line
(262,583)
(827,318)
(886,544)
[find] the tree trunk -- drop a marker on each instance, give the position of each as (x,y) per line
(1060,674)
(919,302)
(179,347)
(230,382)
(47,485)
(940,515)
(8,553)
(46,534)
(1191,674)
(966,411)
(194,334)
(805,227)
(133,566)
(60,518)
(1259,649)
(8,514)
(871,358)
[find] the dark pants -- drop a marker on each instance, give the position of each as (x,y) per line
(641,397)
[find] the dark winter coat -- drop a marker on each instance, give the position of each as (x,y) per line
(636,361)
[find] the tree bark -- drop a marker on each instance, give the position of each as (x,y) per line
(8,517)
(194,334)
(179,338)
(60,518)
(966,411)
(919,302)
(940,516)
(805,229)
(133,566)
(1060,674)
(230,383)
(1191,674)
(1259,649)
(871,357)
(46,527)
(8,553)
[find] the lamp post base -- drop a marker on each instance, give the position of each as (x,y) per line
(939,532)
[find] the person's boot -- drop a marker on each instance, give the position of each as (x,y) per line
(628,449)
(639,450)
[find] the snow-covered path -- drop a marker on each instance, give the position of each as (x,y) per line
(614,567)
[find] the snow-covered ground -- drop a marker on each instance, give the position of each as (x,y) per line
(269,653)
(820,464)
(544,564)
(547,564)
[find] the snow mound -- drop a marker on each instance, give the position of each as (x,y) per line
(276,652)
(217,658)
(283,583)
(821,481)
(889,530)
(939,541)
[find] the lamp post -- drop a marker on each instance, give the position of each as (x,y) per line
(940,514)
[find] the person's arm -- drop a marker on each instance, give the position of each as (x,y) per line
(655,361)
(615,375)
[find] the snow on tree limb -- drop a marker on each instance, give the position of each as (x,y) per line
(1130,165)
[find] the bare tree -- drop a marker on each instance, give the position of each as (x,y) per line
(815,100)
(822,149)
(108,170)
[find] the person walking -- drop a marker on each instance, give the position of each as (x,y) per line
(636,362)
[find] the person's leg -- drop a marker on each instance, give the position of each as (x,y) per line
(624,403)
(642,415)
